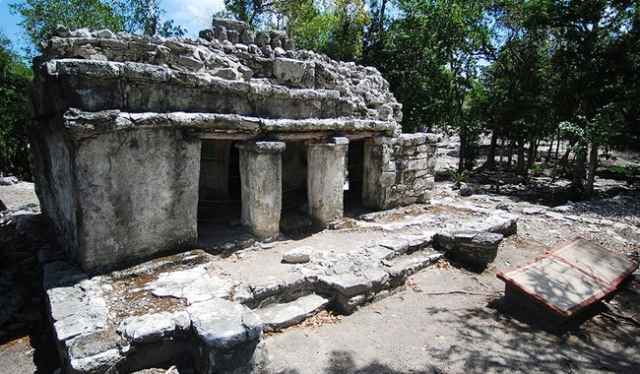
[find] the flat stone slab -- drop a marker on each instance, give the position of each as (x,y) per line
(280,316)
(570,278)
(153,327)
(195,285)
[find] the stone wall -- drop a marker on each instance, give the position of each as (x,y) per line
(121,120)
(399,171)
(121,197)
(137,195)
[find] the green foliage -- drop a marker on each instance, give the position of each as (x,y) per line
(40,18)
(335,28)
(458,177)
(15,112)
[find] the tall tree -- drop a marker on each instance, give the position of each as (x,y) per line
(40,18)
(15,112)
(430,55)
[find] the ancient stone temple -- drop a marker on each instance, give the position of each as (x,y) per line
(142,140)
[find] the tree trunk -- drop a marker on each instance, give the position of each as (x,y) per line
(501,151)
(558,145)
(520,162)
(591,171)
(462,150)
(532,153)
(491,156)
(579,169)
(510,155)
(550,150)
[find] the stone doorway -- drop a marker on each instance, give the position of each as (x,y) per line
(219,197)
(353,201)
(295,204)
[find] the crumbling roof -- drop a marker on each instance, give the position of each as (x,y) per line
(94,71)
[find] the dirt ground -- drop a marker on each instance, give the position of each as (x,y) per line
(450,320)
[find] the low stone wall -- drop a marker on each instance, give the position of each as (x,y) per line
(399,171)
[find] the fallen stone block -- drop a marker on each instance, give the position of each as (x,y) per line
(279,316)
(297,255)
(150,328)
(95,352)
(472,248)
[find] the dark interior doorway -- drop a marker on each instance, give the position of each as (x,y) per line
(355,179)
(219,202)
(295,206)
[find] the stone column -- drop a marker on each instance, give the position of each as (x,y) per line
(261,179)
(379,172)
(325,180)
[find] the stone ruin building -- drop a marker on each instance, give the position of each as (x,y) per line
(145,144)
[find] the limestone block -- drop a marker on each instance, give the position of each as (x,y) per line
(233,36)
(294,72)
(122,217)
(278,38)
(228,334)
(299,255)
(261,180)
(263,39)
(247,37)
(325,180)
(476,249)
(150,328)
(229,24)
(413,139)
(207,35)
(279,316)
(220,33)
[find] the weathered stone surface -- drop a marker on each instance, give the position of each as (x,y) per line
(122,118)
(533,211)
(279,316)
(325,180)
(195,285)
(121,219)
(476,249)
(299,255)
(400,268)
(221,324)
(95,352)
(398,171)
(8,181)
(150,328)
(465,190)
(294,72)
(77,304)
(348,284)
(261,179)
(99,363)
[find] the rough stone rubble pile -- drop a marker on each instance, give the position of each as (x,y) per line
(95,71)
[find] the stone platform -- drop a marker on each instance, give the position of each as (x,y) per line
(208,312)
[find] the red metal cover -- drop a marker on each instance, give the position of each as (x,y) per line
(572,277)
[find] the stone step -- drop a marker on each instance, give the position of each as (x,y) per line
(402,267)
(279,316)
